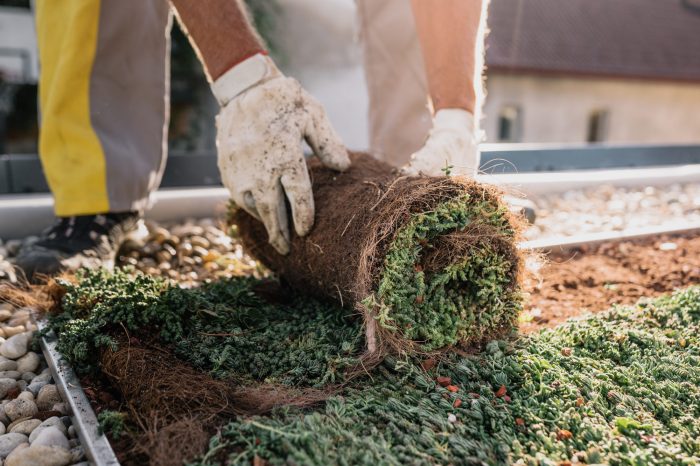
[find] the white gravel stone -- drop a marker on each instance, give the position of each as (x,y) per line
(43,377)
(47,397)
(40,455)
(12,424)
(77,454)
(18,408)
(26,427)
(16,346)
(28,363)
(10,375)
(34,387)
(8,365)
(9,442)
(3,416)
(20,316)
(26,395)
(12,331)
(72,432)
(2,428)
(54,421)
(18,448)
(51,436)
(15,422)
(28,376)
(5,385)
(61,408)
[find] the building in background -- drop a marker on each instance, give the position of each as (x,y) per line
(19,73)
(560,71)
(619,71)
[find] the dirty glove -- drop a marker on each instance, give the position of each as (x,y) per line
(263,119)
(452,146)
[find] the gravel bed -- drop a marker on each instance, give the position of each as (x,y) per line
(7,272)
(607,208)
(195,251)
(35,427)
(190,252)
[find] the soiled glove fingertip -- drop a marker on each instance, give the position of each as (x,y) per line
(281,246)
(336,159)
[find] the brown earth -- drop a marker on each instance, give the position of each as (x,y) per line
(593,278)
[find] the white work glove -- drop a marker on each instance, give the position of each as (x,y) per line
(452,146)
(263,120)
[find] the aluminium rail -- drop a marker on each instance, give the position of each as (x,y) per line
(22,215)
(563,243)
(96,445)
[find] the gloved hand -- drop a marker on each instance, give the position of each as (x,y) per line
(452,146)
(263,119)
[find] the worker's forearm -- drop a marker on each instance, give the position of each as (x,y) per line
(220,32)
(448,32)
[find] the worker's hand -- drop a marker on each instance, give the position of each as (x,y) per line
(452,147)
(259,140)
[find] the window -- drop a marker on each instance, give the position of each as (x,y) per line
(597,126)
(509,124)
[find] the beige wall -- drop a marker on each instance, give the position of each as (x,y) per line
(557,109)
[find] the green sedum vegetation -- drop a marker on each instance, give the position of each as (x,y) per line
(224,328)
(112,422)
(463,301)
(621,388)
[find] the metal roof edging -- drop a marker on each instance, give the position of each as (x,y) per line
(95,443)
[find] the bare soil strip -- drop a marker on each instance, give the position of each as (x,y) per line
(593,278)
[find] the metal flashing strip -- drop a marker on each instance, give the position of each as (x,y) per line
(563,243)
(96,446)
(551,157)
(189,169)
(22,215)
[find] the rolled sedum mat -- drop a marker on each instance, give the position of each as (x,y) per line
(429,262)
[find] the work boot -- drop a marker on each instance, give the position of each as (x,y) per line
(88,241)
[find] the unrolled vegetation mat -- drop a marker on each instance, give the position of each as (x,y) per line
(429,262)
(622,387)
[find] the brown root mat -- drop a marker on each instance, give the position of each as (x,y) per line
(593,278)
